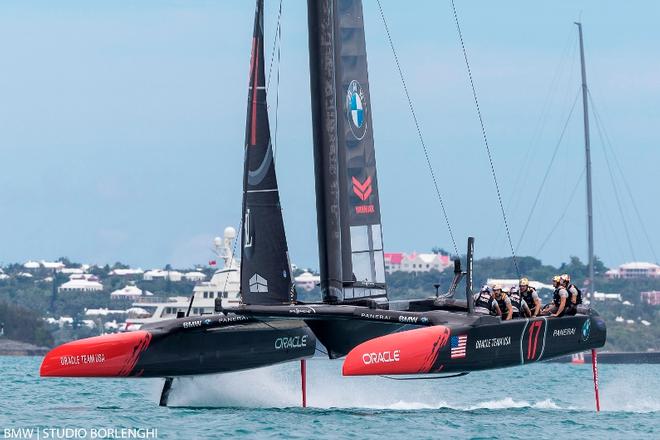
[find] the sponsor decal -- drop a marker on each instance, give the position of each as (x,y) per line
(234,318)
(356,107)
(247,230)
(192,324)
(303,310)
(206,321)
(258,284)
(458,346)
(365,209)
(586,329)
(424,319)
(374,316)
(563,332)
(286,343)
(493,342)
(362,190)
(381,357)
(90,358)
(408,319)
(533,339)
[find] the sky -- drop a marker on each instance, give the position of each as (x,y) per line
(122,125)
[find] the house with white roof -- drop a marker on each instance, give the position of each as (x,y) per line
(81,284)
(131,292)
(103,312)
(126,272)
(155,274)
(55,265)
(602,296)
(32,265)
(72,271)
(194,276)
(307,281)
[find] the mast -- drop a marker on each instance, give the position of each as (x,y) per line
(347,202)
(587,152)
(265,269)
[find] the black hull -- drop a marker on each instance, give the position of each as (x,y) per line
(456,349)
(181,347)
(489,342)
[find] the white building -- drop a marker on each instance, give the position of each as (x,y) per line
(72,271)
(32,265)
(194,276)
(307,281)
(56,265)
(635,270)
(82,284)
(131,292)
(103,312)
(602,296)
(155,274)
(415,262)
(61,322)
(126,272)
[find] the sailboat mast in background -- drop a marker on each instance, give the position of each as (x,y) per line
(587,151)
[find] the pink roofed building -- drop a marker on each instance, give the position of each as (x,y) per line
(652,297)
(415,262)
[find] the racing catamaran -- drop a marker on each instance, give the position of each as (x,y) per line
(355,318)
(215,343)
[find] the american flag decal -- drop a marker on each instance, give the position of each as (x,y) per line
(458,346)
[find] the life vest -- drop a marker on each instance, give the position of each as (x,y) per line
(516,303)
(556,297)
(501,302)
(579,293)
(484,300)
(528,297)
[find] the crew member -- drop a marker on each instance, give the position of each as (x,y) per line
(484,304)
(530,297)
(503,302)
(518,306)
(558,307)
(574,293)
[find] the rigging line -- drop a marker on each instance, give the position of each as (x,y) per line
(563,214)
(485,138)
(419,131)
(607,229)
(277,90)
(542,119)
(569,51)
(275,39)
(547,171)
(614,188)
(623,177)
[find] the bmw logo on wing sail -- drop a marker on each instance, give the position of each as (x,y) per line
(356,109)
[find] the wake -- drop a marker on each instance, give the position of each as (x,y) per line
(279,387)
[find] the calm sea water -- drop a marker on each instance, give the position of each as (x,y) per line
(538,401)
